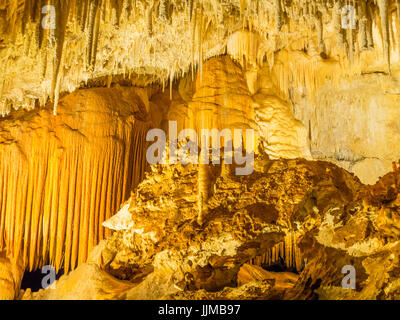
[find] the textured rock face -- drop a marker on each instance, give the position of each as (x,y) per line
(221,98)
(311,87)
(97,39)
(62,176)
(294,46)
(305,219)
(11,272)
(332,219)
(355,124)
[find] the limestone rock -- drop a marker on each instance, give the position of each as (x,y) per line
(63,175)
(11,273)
(87,282)
(309,215)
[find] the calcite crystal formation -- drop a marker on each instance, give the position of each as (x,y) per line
(62,176)
(83,81)
(51,46)
(307,64)
(310,218)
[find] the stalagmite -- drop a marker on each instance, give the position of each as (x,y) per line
(384,14)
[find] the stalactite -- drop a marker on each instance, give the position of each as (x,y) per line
(115,13)
(43,64)
(95,39)
(286,252)
(24,21)
(383,11)
(62,8)
(225,169)
(27,43)
(314,15)
(278,15)
(362,25)
(35,7)
(39,34)
(320,32)
(94,5)
(149,20)
(337,21)
(36,36)
(55,194)
(163,9)
(193,44)
(398,22)
(103,12)
(85,8)
(370,39)
(126,9)
(190,5)
(351,44)
(171,82)
(57,91)
(79,11)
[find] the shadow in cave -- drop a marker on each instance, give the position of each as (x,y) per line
(280,266)
(33,279)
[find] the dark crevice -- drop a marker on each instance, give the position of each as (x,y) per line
(33,279)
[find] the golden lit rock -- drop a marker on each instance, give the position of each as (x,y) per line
(306,92)
(63,175)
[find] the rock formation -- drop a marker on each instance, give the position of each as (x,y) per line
(332,219)
(62,176)
(313,87)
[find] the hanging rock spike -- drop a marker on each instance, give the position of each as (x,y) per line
(384,14)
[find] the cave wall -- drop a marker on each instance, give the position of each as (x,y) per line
(355,125)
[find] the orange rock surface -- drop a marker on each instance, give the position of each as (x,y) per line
(62,176)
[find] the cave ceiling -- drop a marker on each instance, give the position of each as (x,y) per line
(51,47)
